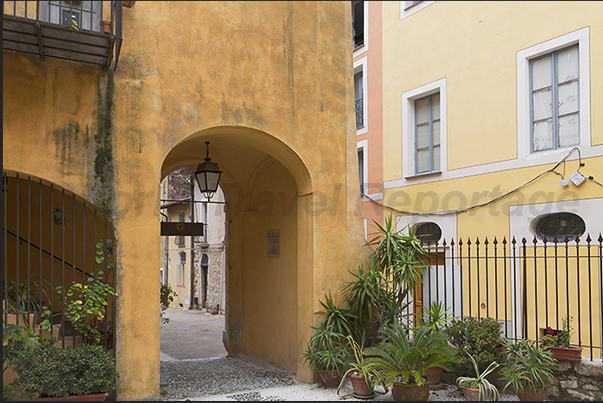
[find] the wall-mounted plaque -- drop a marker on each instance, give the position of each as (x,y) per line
(273,243)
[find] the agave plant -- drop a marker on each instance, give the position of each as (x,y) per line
(399,356)
(487,391)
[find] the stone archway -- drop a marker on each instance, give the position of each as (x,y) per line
(268,264)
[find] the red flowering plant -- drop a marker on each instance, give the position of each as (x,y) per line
(86,304)
(557,338)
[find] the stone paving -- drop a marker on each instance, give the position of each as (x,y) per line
(191,334)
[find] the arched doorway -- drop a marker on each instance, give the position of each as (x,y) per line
(263,182)
(53,238)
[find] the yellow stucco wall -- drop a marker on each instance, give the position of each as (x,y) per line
(275,98)
(474,47)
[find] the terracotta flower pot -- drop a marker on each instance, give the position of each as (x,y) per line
(410,392)
(471,394)
(329,378)
(434,375)
(106,27)
(361,389)
(97,397)
(532,396)
(573,354)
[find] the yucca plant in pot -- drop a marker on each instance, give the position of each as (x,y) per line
(327,353)
(400,362)
(528,369)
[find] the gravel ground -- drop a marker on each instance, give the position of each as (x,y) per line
(252,379)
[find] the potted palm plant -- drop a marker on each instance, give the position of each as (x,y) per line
(436,317)
(400,362)
(528,369)
(478,387)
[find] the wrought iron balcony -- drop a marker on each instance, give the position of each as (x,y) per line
(359,114)
(83,31)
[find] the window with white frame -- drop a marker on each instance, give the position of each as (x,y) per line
(358,23)
(427,134)
(181,264)
(409,7)
(553,95)
(362,165)
(360,95)
(358,98)
(424,130)
(554,81)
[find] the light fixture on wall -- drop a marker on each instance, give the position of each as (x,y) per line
(208,175)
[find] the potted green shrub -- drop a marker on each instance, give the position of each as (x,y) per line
(359,373)
(326,353)
(400,362)
(528,369)
(558,342)
(478,387)
(86,303)
(481,338)
(55,373)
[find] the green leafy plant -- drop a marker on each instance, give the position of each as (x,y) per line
(398,356)
(86,304)
(166,297)
(480,337)
(398,255)
(326,349)
(528,368)
(15,339)
(487,391)
(25,298)
(59,372)
(338,318)
(358,366)
(436,317)
(558,338)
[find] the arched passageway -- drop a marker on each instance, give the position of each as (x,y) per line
(267,261)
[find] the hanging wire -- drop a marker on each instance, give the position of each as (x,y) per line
(449,212)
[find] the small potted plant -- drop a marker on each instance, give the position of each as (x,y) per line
(478,387)
(558,342)
(400,362)
(360,373)
(56,373)
(327,353)
(86,304)
(528,369)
